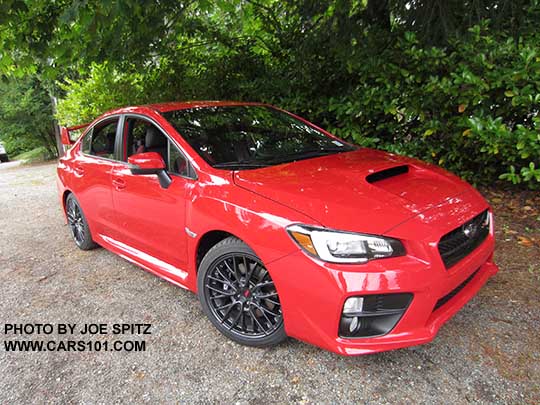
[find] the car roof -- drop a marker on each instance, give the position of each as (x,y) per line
(164,107)
(180,105)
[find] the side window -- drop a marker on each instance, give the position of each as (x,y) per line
(86,141)
(177,162)
(103,139)
(136,139)
(142,136)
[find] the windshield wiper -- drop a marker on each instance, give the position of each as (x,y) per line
(240,165)
(308,154)
(289,157)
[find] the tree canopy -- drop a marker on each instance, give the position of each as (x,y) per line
(455,82)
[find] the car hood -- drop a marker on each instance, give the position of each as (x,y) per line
(361,191)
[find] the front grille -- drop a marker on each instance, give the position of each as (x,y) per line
(458,243)
(454,292)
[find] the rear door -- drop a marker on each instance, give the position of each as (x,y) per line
(149,218)
(92,168)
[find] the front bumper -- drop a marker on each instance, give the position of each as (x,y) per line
(312,292)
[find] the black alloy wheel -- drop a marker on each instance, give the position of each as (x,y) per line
(78,225)
(239,296)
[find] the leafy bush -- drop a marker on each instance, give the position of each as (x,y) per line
(472,107)
(38,154)
(103,89)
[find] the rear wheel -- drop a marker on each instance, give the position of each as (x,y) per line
(238,295)
(78,225)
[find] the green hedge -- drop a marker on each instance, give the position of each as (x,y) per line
(472,108)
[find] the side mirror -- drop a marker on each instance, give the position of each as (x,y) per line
(150,163)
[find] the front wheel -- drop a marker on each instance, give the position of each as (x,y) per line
(78,225)
(238,295)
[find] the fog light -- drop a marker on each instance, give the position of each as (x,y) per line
(353,325)
(372,315)
(353,305)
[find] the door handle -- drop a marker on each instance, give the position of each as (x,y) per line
(119,184)
(79,170)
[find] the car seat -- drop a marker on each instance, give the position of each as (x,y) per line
(155,141)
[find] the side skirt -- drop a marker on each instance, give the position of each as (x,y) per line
(151,264)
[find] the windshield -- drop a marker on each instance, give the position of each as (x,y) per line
(248,137)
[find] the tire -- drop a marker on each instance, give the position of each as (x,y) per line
(238,295)
(78,224)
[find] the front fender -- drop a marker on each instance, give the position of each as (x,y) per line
(256,220)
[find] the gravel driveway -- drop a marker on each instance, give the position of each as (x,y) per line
(489,352)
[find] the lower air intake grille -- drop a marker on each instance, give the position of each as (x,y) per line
(454,292)
(458,243)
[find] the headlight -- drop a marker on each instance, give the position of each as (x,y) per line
(344,247)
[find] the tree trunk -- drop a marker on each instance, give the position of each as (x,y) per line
(59,145)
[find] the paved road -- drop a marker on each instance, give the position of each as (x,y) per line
(487,353)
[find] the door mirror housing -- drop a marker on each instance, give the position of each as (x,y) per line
(150,163)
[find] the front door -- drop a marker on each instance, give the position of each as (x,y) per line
(150,220)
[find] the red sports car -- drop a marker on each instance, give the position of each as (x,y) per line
(281,228)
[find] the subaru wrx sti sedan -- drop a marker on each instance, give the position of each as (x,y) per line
(281,228)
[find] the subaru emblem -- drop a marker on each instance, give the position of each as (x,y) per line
(469,230)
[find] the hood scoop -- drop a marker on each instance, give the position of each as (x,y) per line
(387,173)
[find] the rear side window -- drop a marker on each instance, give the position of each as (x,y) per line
(103,139)
(86,141)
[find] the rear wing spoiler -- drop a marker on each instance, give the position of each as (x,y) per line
(66,136)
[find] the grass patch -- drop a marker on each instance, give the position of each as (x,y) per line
(39,154)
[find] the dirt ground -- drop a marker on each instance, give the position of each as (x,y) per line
(488,353)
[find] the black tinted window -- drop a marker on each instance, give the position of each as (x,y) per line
(250,136)
(136,136)
(143,136)
(86,141)
(177,162)
(103,139)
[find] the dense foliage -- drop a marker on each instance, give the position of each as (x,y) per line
(26,120)
(456,82)
(471,107)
